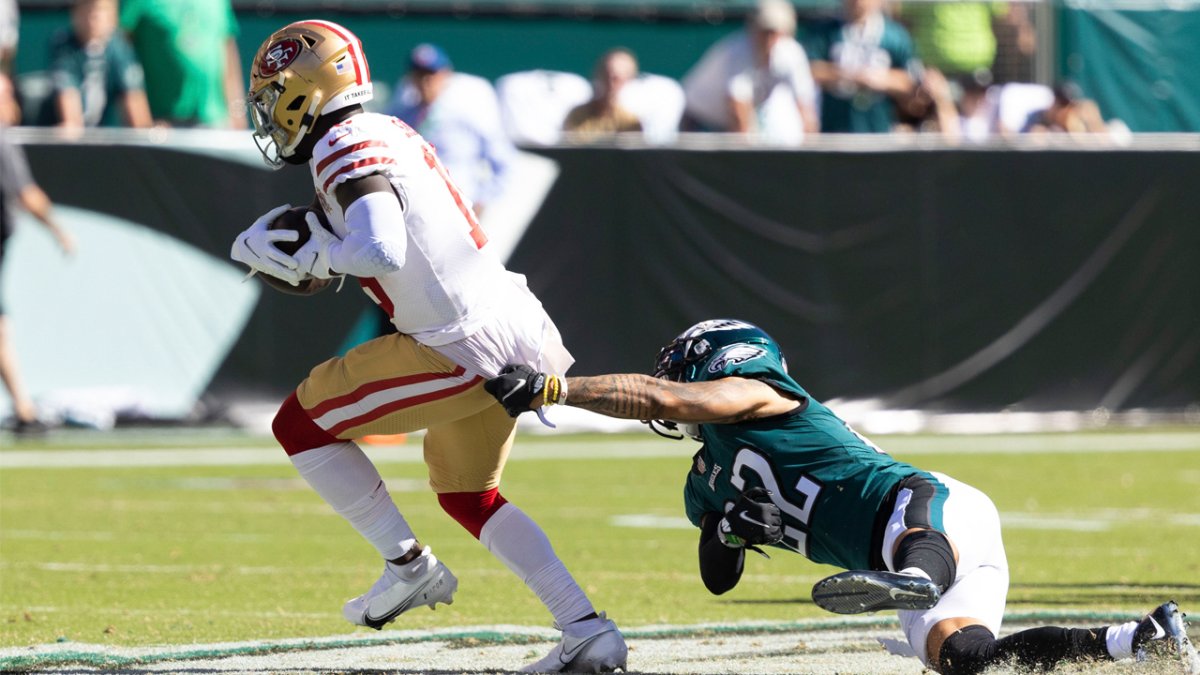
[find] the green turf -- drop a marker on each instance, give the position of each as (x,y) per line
(136,556)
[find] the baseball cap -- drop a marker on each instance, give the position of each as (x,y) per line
(778,16)
(428,57)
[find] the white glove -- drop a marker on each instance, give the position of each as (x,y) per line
(313,257)
(255,247)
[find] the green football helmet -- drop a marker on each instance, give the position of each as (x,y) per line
(707,346)
(710,350)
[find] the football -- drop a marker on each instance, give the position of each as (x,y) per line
(293,219)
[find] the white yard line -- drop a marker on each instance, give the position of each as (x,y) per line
(618,448)
(836,645)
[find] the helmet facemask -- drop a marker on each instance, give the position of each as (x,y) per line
(273,140)
(303,71)
(683,359)
(676,362)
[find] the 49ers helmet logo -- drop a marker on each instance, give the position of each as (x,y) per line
(279,56)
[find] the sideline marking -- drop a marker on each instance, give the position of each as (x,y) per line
(618,448)
(49,655)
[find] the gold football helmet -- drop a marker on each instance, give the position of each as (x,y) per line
(304,70)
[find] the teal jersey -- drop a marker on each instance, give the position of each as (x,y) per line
(828,481)
(882,44)
(100,76)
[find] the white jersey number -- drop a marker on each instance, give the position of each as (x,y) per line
(804,492)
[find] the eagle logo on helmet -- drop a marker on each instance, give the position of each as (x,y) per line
(734,355)
(279,56)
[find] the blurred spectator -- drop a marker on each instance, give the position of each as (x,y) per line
(1069,112)
(756,80)
(534,103)
(18,189)
(959,37)
(929,107)
(10,25)
(861,63)
(1015,102)
(460,115)
(187,48)
(97,79)
(978,112)
(1016,43)
(604,115)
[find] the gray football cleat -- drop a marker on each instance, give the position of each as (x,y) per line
(1163,634)
(423,581)
(588,646)
(861,591)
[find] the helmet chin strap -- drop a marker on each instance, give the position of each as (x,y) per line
(665,429)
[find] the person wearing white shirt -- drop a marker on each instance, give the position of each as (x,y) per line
(459,115)
(757,80)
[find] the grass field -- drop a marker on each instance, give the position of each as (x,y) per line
(104,541)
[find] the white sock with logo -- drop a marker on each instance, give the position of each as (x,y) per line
(522,546)
(1119,639)
(347,480)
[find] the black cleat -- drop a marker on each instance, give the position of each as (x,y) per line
(861,591)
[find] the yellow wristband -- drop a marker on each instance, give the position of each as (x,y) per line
(554,391)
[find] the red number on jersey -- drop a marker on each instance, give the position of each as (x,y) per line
(477,234)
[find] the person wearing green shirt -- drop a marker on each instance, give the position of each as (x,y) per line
(188,51)
(861,62)
(97,79)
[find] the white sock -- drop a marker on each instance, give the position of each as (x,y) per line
(1119,639)
(347,480)
(521,545)
(915,572)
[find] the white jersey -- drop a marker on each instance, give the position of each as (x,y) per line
(450,285)
(728,71)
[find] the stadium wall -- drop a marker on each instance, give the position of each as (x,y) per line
(924,278)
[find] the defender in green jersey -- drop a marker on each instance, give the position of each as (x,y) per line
(778,468)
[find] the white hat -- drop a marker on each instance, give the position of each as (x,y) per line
(774,15)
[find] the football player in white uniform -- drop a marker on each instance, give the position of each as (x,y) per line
(405,232)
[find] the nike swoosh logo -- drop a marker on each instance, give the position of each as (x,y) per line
(520,385)
(569,655)
(750,520)
(898,594)
(246,243)
(396,611)
(333,141)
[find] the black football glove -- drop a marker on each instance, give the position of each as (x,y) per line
(753,521)
(517,388)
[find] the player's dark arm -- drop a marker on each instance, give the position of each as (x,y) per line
(641,397)
(350,191)
(720,566)
(376,243)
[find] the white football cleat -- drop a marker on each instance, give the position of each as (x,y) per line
(423,581)
(588,646)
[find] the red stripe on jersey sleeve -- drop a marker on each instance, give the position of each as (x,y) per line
(355,165)
(335,156)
